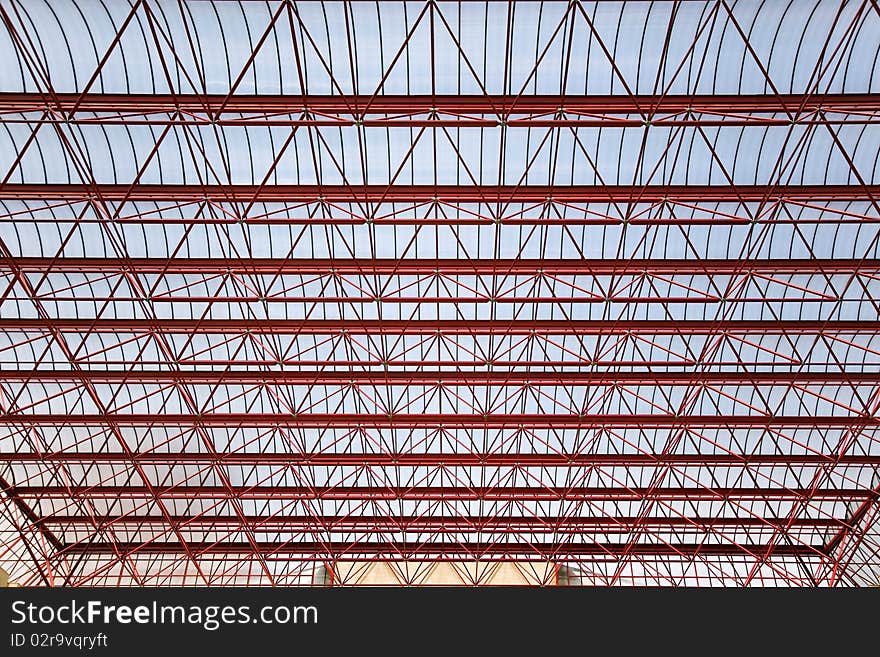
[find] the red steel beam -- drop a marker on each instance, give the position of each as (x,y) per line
(531,524)
(504,550)
(447,266)
(706,218)
(459,104)
(29,514)
(434,493)
(445,377)
(436,459)
(435,420)
(459,110)
(503,194)
(442,326)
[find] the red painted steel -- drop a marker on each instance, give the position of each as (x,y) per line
(428,266)
(448,459)
(168,418)
(387,110)
(443,377)
(442,326)
(351,551)
(439,493)
(360,522)
(457,194)
(431,421)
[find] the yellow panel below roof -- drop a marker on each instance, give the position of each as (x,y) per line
(446,573)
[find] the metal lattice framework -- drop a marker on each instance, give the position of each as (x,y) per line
(285,285)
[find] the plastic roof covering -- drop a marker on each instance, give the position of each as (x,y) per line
(474,48)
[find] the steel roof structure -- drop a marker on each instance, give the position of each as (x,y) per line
(285,285)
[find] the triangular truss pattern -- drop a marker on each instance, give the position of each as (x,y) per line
(326,292)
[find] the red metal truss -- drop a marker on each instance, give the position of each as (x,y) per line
(360,522)
(369,299)
(445,420)
(437,493)
(445,281)
(440,326)
(450,551)
(417,111)
(452,194)
(444,377)
(449,458)
(423,266)
(390,205)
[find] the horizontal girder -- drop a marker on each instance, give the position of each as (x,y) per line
(342,550)
(436,420)
(476,194)
(461,493)
(429,266)
(432,523)
(448,459)
(388,110)
(444,377)
(443,326)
